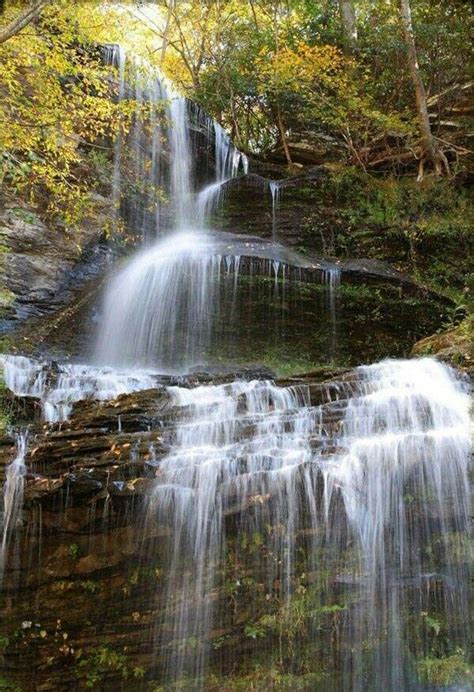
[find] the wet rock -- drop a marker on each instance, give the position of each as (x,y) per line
(365,270)
(22,409)
(221,374)
(134,412)
(83,484)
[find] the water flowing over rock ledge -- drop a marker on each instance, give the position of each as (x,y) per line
(267,303)
(104,501)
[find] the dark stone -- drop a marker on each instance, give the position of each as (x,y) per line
(43,265)
(83,484)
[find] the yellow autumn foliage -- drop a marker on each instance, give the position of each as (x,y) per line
(55,105)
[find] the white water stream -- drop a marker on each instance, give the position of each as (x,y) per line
(352,473)
(12,499)
(275,192)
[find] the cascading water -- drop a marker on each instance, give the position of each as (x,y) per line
(362,488)
(323,527)
(160,309)
(12,499)
(342,471)
(158,158)
(152,169)
(59,388)
(167,307)
(229,164)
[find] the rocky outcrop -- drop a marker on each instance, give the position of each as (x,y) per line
(43,265)
(331,212)
(453,346)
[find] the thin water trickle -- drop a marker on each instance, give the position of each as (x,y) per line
(229,163)
(275,192)
(12,498)
(116,57)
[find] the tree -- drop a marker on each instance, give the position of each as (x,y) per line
(30,13)
(349,26)
(430,150)
(56,113)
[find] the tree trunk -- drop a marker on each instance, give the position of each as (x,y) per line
(430,151)
(33,10)
(166,32)
(349,26)
(282,131)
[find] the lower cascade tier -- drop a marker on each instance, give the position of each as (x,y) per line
(225,534)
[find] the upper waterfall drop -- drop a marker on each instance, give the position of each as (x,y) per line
(160,151)
(162,308)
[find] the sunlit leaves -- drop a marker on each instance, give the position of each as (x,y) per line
(55,103)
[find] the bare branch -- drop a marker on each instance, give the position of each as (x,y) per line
(23,19)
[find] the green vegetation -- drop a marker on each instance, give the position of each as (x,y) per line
(7,686)
(424,227)
(295,90)
(74,551)
(273,70)
(55,106)
(451,670)
(105,662)
(5,407)
(276,74)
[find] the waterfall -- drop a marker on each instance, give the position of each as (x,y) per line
(370,483)
(323,525)
(151,171)
(161,309)
(404,486)
(58,388)
(229,164)
(165,313)
(180,155)
(154,170)
(167,308)
(12,498)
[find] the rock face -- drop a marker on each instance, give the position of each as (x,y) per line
(42,266)
(328,213)
(289,326)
